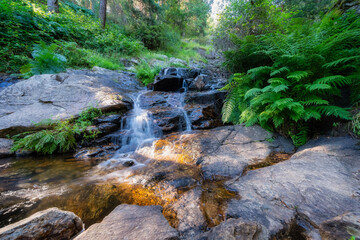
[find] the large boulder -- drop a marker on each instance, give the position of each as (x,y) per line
(320,182)
(132,222)
(48,224)
(228,151)
(61,96)
(170,79)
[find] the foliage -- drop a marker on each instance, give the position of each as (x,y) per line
(24,23)
(356,125)
(45,60)
(61,136)
(146,73)
(289,80)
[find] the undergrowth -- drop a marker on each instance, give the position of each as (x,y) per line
(290,80)
(61,135)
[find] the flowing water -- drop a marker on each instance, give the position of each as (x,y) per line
(93,187)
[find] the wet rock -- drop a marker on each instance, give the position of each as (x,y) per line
(204,109)
(341,227)
(319,182)
(210,97)
(49,224)
(190,217)
(183,183)
(114,118)
(194,73)
(204,116)
(89,152)
(200,82)
(128,163)
(62,96)
(170,79)
(168,83)
(233,229)
(107,127)
(132,222)
(168,119)
(5,148)
(229,150)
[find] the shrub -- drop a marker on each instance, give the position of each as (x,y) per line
(61,137)
(289,80)
(45,60)
(146,73)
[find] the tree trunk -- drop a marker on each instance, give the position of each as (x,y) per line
(53,5)
(102,12)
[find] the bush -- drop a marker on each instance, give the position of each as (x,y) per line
(146,73)
(45,60)
(157,36)
(289,80)
(61,137)
(24,23)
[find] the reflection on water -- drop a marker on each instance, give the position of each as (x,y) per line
(26,181)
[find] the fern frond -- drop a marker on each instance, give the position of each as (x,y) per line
(314,101)
(254,72)
(341,61)
(279,71)
(228,107)
(300,138)
(298,75)
(336,80)
(317,86)
(280,88)
(252,92)
(311,113)
(334,111)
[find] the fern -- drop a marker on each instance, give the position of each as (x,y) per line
(341,61)
(334,111)
(291,79)
(279,71)
(298,75)
(317,86)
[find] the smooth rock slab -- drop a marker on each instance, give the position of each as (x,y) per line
(319,182)
(61,96)
(48,224)
(129,222)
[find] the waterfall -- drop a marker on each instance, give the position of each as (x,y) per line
(137,130)
(139,127)
(182,104)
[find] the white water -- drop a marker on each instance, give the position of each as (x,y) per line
(138,131)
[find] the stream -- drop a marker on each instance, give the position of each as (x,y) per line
(150,167)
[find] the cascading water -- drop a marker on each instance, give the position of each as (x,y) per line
(182,101)
(137,130)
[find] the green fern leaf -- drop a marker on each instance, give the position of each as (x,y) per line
(279,71)
(336,80)
(252,92)
(317,86)
(280,88)
(341,61)
(334,111)
(298,75)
